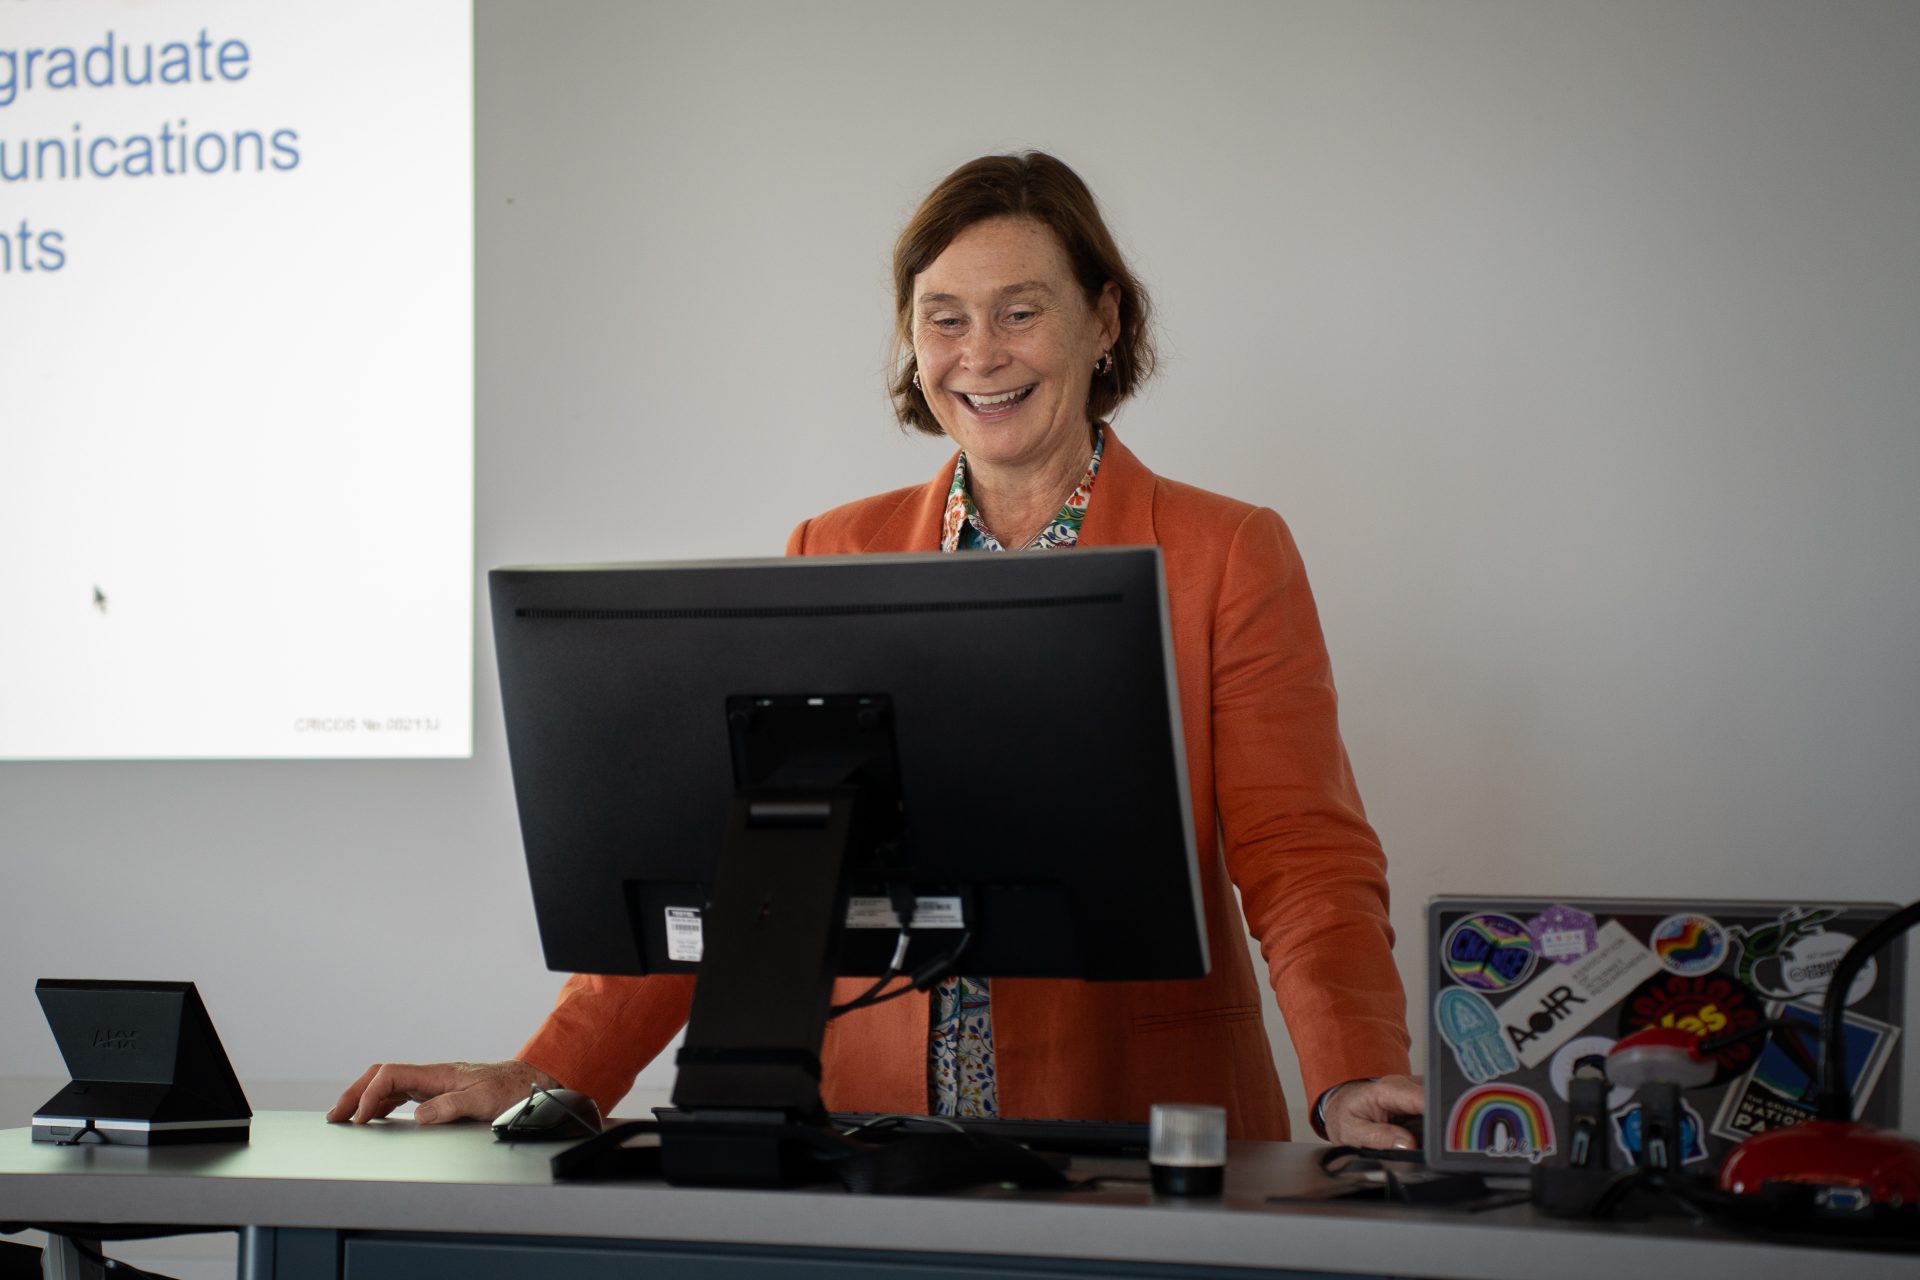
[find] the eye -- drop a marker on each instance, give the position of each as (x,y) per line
(1020,315)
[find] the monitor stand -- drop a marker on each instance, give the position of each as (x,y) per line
(816,794)
(817,800)
(748,1109)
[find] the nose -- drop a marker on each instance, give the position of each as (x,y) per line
(983,351)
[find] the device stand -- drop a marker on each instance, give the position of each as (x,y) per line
(1586,1186)
(748,1092)
(1572,1189)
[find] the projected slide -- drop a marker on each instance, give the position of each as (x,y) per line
(236,382)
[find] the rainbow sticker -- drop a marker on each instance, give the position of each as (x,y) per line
(1501,1120)
(1489,952)
(1689,945)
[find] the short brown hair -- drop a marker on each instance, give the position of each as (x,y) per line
(1033,185)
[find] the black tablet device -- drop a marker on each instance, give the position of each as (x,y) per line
(147,1067)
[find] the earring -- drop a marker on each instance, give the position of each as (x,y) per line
(916,380)
(1104,365)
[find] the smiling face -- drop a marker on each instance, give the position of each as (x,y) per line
(1005,341)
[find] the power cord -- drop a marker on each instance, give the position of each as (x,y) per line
(1378,1155)
(896,1120)
(919,980)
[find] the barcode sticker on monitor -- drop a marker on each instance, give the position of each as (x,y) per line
(928,913)
(684,940)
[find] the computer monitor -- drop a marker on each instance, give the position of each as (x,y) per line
(742,766)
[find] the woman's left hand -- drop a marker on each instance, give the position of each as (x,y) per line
(1357,1115)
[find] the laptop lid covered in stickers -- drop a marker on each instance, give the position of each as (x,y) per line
(1523,988)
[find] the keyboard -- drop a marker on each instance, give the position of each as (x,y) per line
(1068,1137)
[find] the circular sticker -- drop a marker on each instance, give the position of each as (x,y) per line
(1560,1070)
(1489,952)
(1689,945)
(1710,1008)
(1807,967)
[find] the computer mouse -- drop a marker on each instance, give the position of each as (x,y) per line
(550,1115)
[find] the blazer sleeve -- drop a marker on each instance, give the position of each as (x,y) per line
(604,1029)
(1310,870)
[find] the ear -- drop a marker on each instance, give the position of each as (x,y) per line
(1108,309)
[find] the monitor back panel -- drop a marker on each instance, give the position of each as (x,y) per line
(1522,988)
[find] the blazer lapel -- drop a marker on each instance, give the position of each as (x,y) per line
(915,523)
(1121,512)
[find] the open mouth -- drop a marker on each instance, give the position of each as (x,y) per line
(996,403)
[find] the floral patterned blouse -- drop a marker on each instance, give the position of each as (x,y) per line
(960,1079)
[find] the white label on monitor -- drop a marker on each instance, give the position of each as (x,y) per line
(684,939)
(928,913)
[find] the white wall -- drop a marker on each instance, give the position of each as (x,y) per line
(1580,345)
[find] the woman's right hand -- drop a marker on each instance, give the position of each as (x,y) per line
(445,1090)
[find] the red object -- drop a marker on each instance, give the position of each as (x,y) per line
(1666,1055)
(1828,1153)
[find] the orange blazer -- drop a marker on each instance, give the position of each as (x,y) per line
(1276,814)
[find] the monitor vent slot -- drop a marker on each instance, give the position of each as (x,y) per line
(817,611)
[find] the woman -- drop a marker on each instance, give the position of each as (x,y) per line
(1020,330)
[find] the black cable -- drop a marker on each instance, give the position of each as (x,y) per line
(865,997)
(1379,1155)
(920,979)
(872,994)
(899,1119)
(882,998)
(1720,1044)
(905,903)
(1617,1191)
(1835,1096)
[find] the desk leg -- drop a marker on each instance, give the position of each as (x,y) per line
(61,1261)
(284,1253)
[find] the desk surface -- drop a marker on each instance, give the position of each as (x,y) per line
(393,1176)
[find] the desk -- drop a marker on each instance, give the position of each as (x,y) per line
(332,1202)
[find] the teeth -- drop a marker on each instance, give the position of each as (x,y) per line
(994,402)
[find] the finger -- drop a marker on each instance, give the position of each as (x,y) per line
(351,1097)
(1374,1102)
(476,1102)
(1378,1137)
(377,1099)
(398,1083)
(1395,1096)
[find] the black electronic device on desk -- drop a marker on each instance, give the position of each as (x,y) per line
(147,1067)
(771,771)
(549,1115)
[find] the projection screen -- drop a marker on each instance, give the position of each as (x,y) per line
(236,379)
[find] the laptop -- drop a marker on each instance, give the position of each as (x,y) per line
(1522,989)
